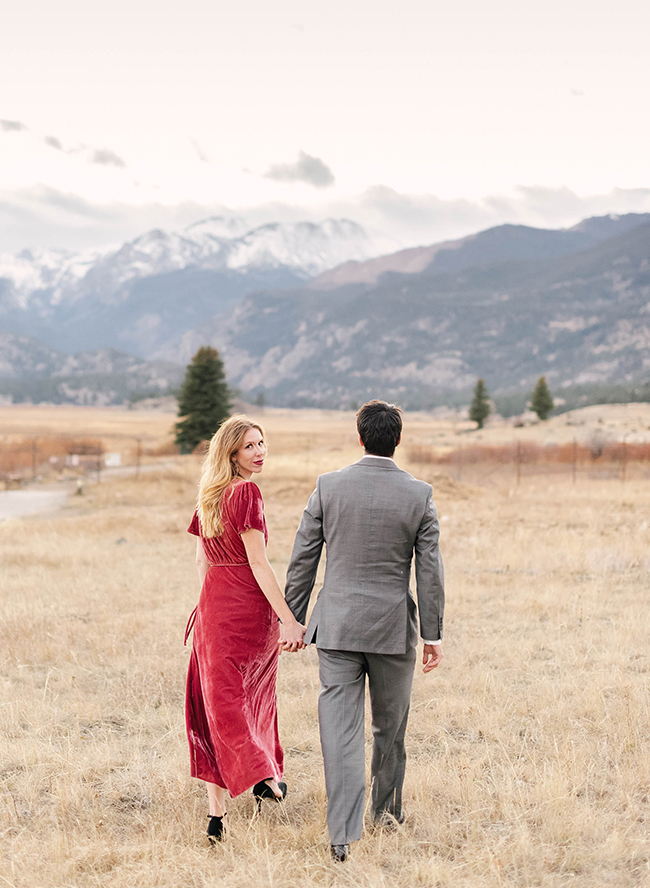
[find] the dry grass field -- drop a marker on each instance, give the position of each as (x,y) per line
(529,748)
(115,426)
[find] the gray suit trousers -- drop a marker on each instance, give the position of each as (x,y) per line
(341,717)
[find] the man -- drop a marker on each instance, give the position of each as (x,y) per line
(373,517)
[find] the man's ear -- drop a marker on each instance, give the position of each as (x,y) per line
(399,441)
(361,442)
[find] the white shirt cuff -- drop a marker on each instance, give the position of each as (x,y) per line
(430,642)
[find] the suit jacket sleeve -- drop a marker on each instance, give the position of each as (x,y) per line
(429,574)
(307,548)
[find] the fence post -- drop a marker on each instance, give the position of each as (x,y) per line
(99,461)
(624,461)
(138,453)
(574,460)
(33,459)
(460,460)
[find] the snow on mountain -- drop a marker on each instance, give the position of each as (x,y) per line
(312,248)
(56,271)
(218,244)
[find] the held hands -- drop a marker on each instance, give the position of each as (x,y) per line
(291,637)
(431,657)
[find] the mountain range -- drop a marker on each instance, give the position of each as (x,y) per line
(302,314)
(146,293)
(545,306)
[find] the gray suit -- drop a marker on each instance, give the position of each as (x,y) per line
(373,517)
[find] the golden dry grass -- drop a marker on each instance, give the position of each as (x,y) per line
(115,426)
(528,748)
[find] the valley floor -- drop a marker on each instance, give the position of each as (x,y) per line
(529,748)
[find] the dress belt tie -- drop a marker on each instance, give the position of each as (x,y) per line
(192,619)
(190,624)
(227,564)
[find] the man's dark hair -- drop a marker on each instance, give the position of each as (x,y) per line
(379,425)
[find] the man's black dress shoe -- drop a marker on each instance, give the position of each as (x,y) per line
(340,852)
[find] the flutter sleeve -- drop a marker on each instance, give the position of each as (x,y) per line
(248,508)
(195,525)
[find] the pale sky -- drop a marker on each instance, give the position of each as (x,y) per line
(421,120)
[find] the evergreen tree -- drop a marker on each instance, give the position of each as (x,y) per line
(480,409)
(203,402)
(541,401)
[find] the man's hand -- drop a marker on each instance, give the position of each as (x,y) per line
(432,656)
(291,637)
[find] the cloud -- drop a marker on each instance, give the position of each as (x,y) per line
(106,157)
(48,218)
(427,219)
(8,126)
(197,150)
(308,169)
(71,204)
(45,217)
(420,209)
(53,142)
(102,156)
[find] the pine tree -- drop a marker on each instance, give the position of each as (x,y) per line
(541,400)
(203,402)
(480,409)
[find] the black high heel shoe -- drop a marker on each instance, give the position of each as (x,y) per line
(262,790)
(215,828)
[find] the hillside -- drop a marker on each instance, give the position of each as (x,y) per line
(501,244)
(578,318)
(33,372)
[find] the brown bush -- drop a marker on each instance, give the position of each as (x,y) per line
(528,453)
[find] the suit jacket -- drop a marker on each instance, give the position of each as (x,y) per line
(373,517)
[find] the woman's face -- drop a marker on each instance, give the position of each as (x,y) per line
(251,454)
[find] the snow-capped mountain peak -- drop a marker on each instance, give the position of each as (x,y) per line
(55,271)
(218,243)
(306,247)
(95,298)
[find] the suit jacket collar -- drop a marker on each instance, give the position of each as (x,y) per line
(376,462)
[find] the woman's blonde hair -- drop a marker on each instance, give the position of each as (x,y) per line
(219,469)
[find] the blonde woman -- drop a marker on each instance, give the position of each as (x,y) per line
(241,624)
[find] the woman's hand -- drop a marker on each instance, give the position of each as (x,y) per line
(291,637)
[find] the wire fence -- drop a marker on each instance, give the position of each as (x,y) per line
(596,460)
(56,458)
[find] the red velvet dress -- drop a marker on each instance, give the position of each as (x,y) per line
(230,704)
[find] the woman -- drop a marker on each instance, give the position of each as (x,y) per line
(230,707)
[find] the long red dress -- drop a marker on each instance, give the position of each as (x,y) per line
(230,704)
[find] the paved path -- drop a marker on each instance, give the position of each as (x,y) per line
(16,503)
(37,500)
